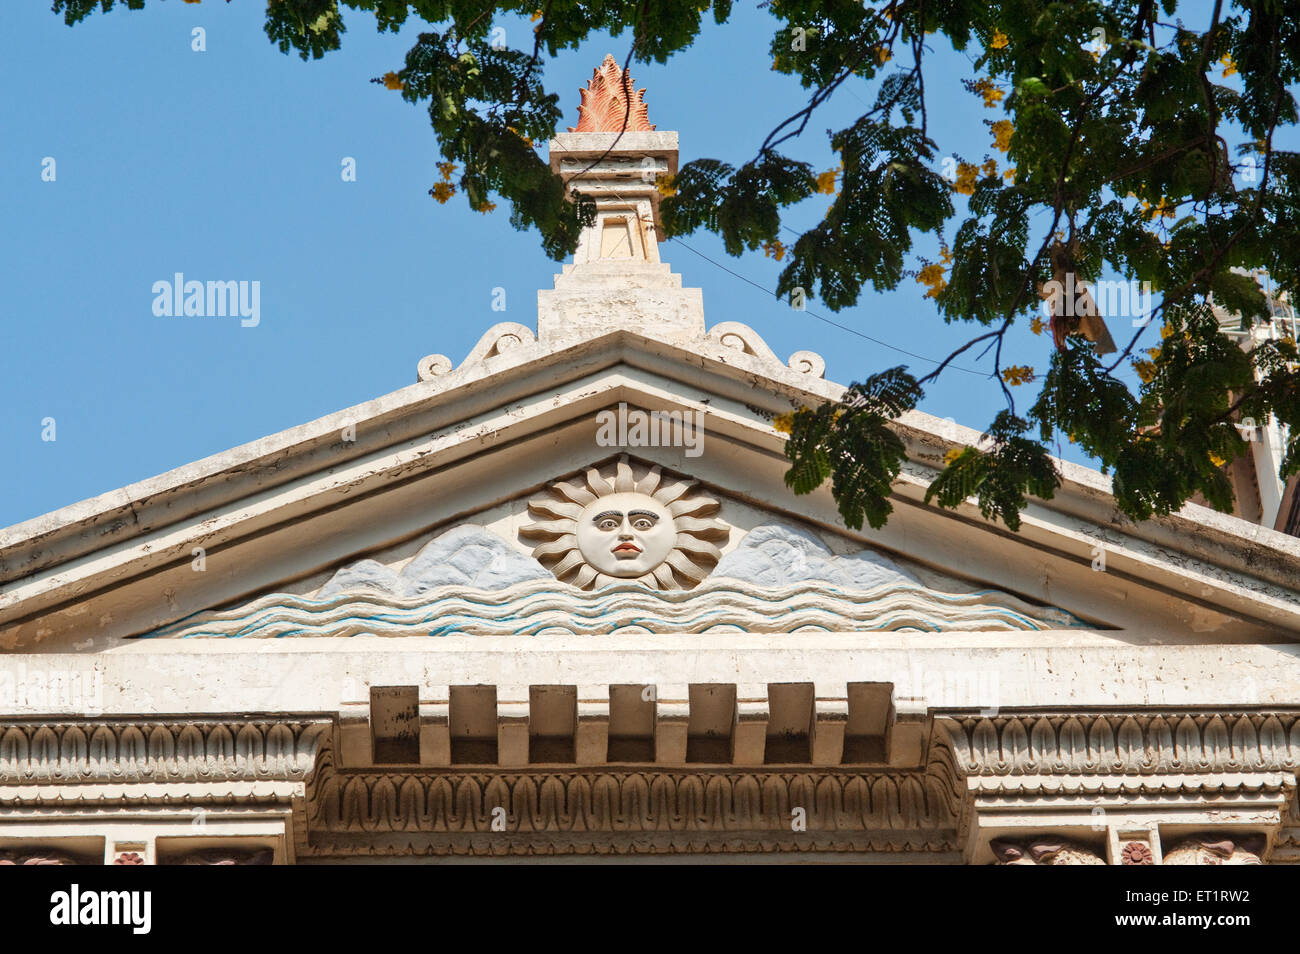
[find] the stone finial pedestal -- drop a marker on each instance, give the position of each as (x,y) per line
(616,280)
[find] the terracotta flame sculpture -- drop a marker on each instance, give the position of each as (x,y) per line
(605,107)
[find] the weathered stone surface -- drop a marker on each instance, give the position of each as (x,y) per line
(776,555)
(1210,849)
(467,555)
(1044,852)
(363,575)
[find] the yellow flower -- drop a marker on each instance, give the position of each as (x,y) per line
(999,40)
(1161,208)
(487,207)
(774,249)
(953,454)
(933,276)
(443,191)
(785,422)
(391,81)
(1037,325)
(1216,460)
(1229,67)
(992,95)
(446,169)
(537,15)
(990,167)
(883,55)
(1002,131)
(945,254)
(664,184)
(966,174)
(1146,370)
(1010,174)
(1017,374)
(826,182)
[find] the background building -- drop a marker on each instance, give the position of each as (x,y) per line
(1261,496)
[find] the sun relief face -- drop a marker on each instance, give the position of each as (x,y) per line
(626,535)
(618,524)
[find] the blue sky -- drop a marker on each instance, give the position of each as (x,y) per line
(225,164)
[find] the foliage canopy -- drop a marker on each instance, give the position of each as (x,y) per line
(1137,145)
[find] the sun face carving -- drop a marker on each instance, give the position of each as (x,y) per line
(616,524)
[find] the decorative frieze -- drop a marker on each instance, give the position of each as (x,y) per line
(226,856)
(630,801)
(1209,849)
(546,810)
(980,774)
(1043,851)
(126,751)
(36,856)
(643,552)
(1214,849)
(1118,744)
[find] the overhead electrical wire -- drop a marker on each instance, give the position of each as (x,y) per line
(822,318)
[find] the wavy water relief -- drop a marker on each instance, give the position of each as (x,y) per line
(718,605)
(469,581)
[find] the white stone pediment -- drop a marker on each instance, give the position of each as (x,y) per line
(470,446)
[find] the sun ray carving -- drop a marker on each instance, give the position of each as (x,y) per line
(623,522)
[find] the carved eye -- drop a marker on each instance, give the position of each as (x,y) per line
(607,523)
(643,523)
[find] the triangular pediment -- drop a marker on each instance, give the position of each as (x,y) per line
(625,547)
(470,447)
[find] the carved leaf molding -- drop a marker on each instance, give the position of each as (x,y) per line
(124,751)
(1126,744)
(630,802)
